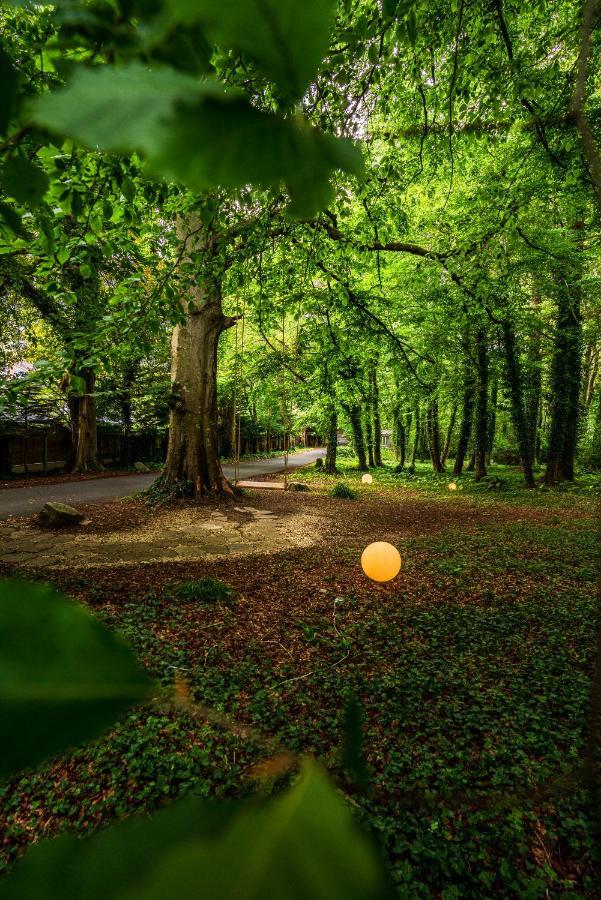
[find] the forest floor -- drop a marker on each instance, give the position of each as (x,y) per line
(472,667)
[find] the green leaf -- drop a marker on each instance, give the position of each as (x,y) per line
(120,109)
(64,677)
(301,845)
(286,39)
(10,221)
(196,133)
(24,181)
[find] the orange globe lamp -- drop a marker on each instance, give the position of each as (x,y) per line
(381,561)
(452,486)
(367,479)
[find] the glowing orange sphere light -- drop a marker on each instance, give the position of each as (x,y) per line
(367,479)
(381,561)
(452,486)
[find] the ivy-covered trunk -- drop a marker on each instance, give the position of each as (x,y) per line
(399,437)
(449,436)
(192,467)
(481,424)
(369,435)
(433,430)
(331,441)
(518,409)
(467,416)
(82,413)
(565,387)
(375,400)
(416,437)
(353,411)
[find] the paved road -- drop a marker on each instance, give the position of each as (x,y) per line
(27,500)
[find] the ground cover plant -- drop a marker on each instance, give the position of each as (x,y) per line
(472,673)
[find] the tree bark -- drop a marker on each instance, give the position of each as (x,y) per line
(192,467)
(518,410)
(369,435)
(565,388)
(84,435)
(353,411)
(416,436)
(449,436)
(433,431)
(332,442)
(375,400)
(467,416)
(399,438)
(481,431)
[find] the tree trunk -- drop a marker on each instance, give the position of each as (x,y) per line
(375,400)
(481,432)
(416,436)
(433,430)
(565,388)
(399,438)
(518,411)
(354,413)
(82,410)
(332,442)
(449,437)
(369,435)
(192,467)
(467,416)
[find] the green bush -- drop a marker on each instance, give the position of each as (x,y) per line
(205,590)
(342,491)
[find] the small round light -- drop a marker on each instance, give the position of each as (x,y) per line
(452,486)
(381,561)
(367,479)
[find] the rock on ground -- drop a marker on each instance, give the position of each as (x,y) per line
(59,514)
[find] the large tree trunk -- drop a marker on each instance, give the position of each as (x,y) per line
(354,413)
(518,411)
(84,436)
(565,388)
(192,467)
(481,431)
(332,442)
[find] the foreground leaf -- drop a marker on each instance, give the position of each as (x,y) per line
(301,845)
(196,133)
(285,38)
(64,677)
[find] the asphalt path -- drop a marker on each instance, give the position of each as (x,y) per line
(28,500)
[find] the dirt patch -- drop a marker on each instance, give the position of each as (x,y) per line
(187,533)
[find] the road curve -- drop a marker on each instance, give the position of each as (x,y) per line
(27,500)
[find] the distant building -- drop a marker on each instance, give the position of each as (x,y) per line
(387,438)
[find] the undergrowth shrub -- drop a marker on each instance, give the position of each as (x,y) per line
(343,491)
(205,590)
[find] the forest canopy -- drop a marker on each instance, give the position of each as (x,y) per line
(400,201)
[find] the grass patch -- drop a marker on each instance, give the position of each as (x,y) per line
(343,491)
(205,590)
